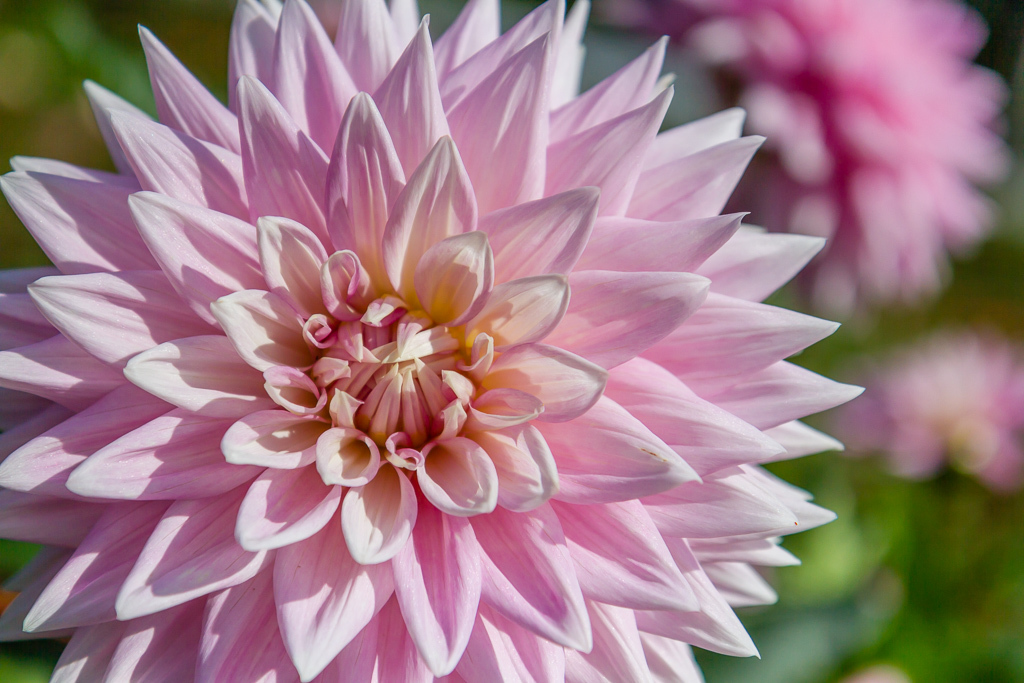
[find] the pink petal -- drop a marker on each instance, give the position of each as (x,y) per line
(478,25)
(88,653)
(437,583)
(501,650)
(65,170)
(540,237)
(752,264)
(273,438)
(264,330)
(613,317)
(285,171)
(621,558)
(30,581)
(291,257)
(566,384)
(191,553)
(200,374)
(309,77)
(324,598)
(346,457)
(251,47)
(181,100)
(670,660)
(173,456)
(458,477)
(378,518)
(454,276)
(608,156)
(182,238)
(502,408)
(58,370)
(565,82)
(159,647)
(740,584)
(25,417)
(696,136)
(397,656)
(800,440)
(607,455)
(46,520)
(21,323)
(114,317)
(529,576)
(357,661)
(618,654)
(283,507)
(103,104)
(522,311)
(405,15)
(527,474)
(366,42)
(410,102)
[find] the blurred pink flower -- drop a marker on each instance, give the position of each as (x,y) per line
(307,397)
(956,398)
(879,674)
(880,122)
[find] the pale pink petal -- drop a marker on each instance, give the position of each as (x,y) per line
(405,14)
(761,551)
(670,661)
(501,650)
(273,438)
(291,257)
(251,47)
(345,287)
(799,440)
(366,42)
(696,136)
(754,264)
(458,477)
(454,276)
(621,558)
(173,456)
(114,317)
(181,100)
(527,473)
(565,82)
(608,156)
(58,370)
(30,581)
(182,237)
(346,457)
(24,418)
(478,24)
(103,103)
(544,236)
(522,311)
(64,169)
(397,656)
(87,655)
(618,654)
(566,384)
(200,374)
(607,455)
(529,576)
(283,507)
(740,584)
(378,518)
(357,662)
(265,331)
(437,583)
(46,520)
(21,323)
(159,647)
(324,598)
(501,408)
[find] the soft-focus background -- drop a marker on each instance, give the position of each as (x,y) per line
(926,576)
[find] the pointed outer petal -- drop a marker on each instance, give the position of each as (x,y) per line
(529,575)
(765,552)
(405,16)
(241,640)
(621,558)
(46,520)
(325,598)
(17,280)
(506,117)
(410,102)
(776,395)
(732,337)
(707,437)
(543,236)
(346,457)
(366,42)
(377,518)
(203,253)
(618,654)
(309,78)
(453,277)
(251,48)
(273,438)
(283,507)
(565,83)
(695,186)
(566,384)
(58,370)
(630,87)
(397,656)
(696,136)
(478,25)
(501,650)
(172,457)
(114,317)
(670,661)
(71,171)
(614,317)
(83,591)
(797,500)
(607,455)
(21,323)
(291,257)
(183,102)
(103,103)
(180,166)
(264,330)
(357,662)
(714,627)
(200,374)
(608,156)
(740,584)
(458,477)
(437,203)
(87,656)
(285,171)
(527,474)
(437,583)
(754,264)
(799,440)
(633,245)
(488,57)
(159,647)
(730,503)
(192,553)
(522,311)
(31,581)
(81,226)
(43,464)
(44,417)
(17,408)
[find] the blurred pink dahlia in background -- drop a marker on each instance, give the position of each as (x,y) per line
(411,364)
(879,674)
(954,399)
(877,118)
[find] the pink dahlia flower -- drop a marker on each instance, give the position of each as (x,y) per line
(953,398)
(879,122)
(411,364)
